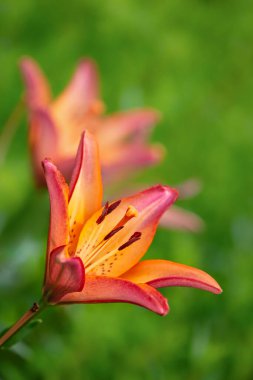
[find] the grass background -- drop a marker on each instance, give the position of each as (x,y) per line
(192,60)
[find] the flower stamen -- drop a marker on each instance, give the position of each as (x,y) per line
(113,232)
(136,236)
(107,210)
(130,213)
(104,213)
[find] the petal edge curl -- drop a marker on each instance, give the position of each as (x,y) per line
(163,273)
(100,289)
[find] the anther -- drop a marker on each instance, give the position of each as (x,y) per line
(131,212)
(113,232)
(136,236)
(107,210)
(104,213)
(113,206)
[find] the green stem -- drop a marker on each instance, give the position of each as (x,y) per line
(27,317)
(10,128)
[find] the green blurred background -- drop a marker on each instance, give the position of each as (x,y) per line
(192,60)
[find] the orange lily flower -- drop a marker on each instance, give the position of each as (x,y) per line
(94,252)
(55,126)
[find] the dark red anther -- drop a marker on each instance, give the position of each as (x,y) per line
(113,206)
(136,236)
(113,232)
(107,210)
(104,213)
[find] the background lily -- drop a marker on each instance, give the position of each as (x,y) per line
(55,126)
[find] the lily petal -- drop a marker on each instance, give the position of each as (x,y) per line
(86,190)
(43,140)
(58,193)
(122,125)
(37,87)
(179,219)
(106,289)
(111,256)
(161,273)
(189,188)
(124,159)
(81,95)
(65,275)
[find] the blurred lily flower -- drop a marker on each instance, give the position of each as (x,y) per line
(94,252)
(55,125)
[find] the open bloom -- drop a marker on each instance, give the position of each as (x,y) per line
(94,252)
(55,125)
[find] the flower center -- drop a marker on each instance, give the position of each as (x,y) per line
(99,258)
